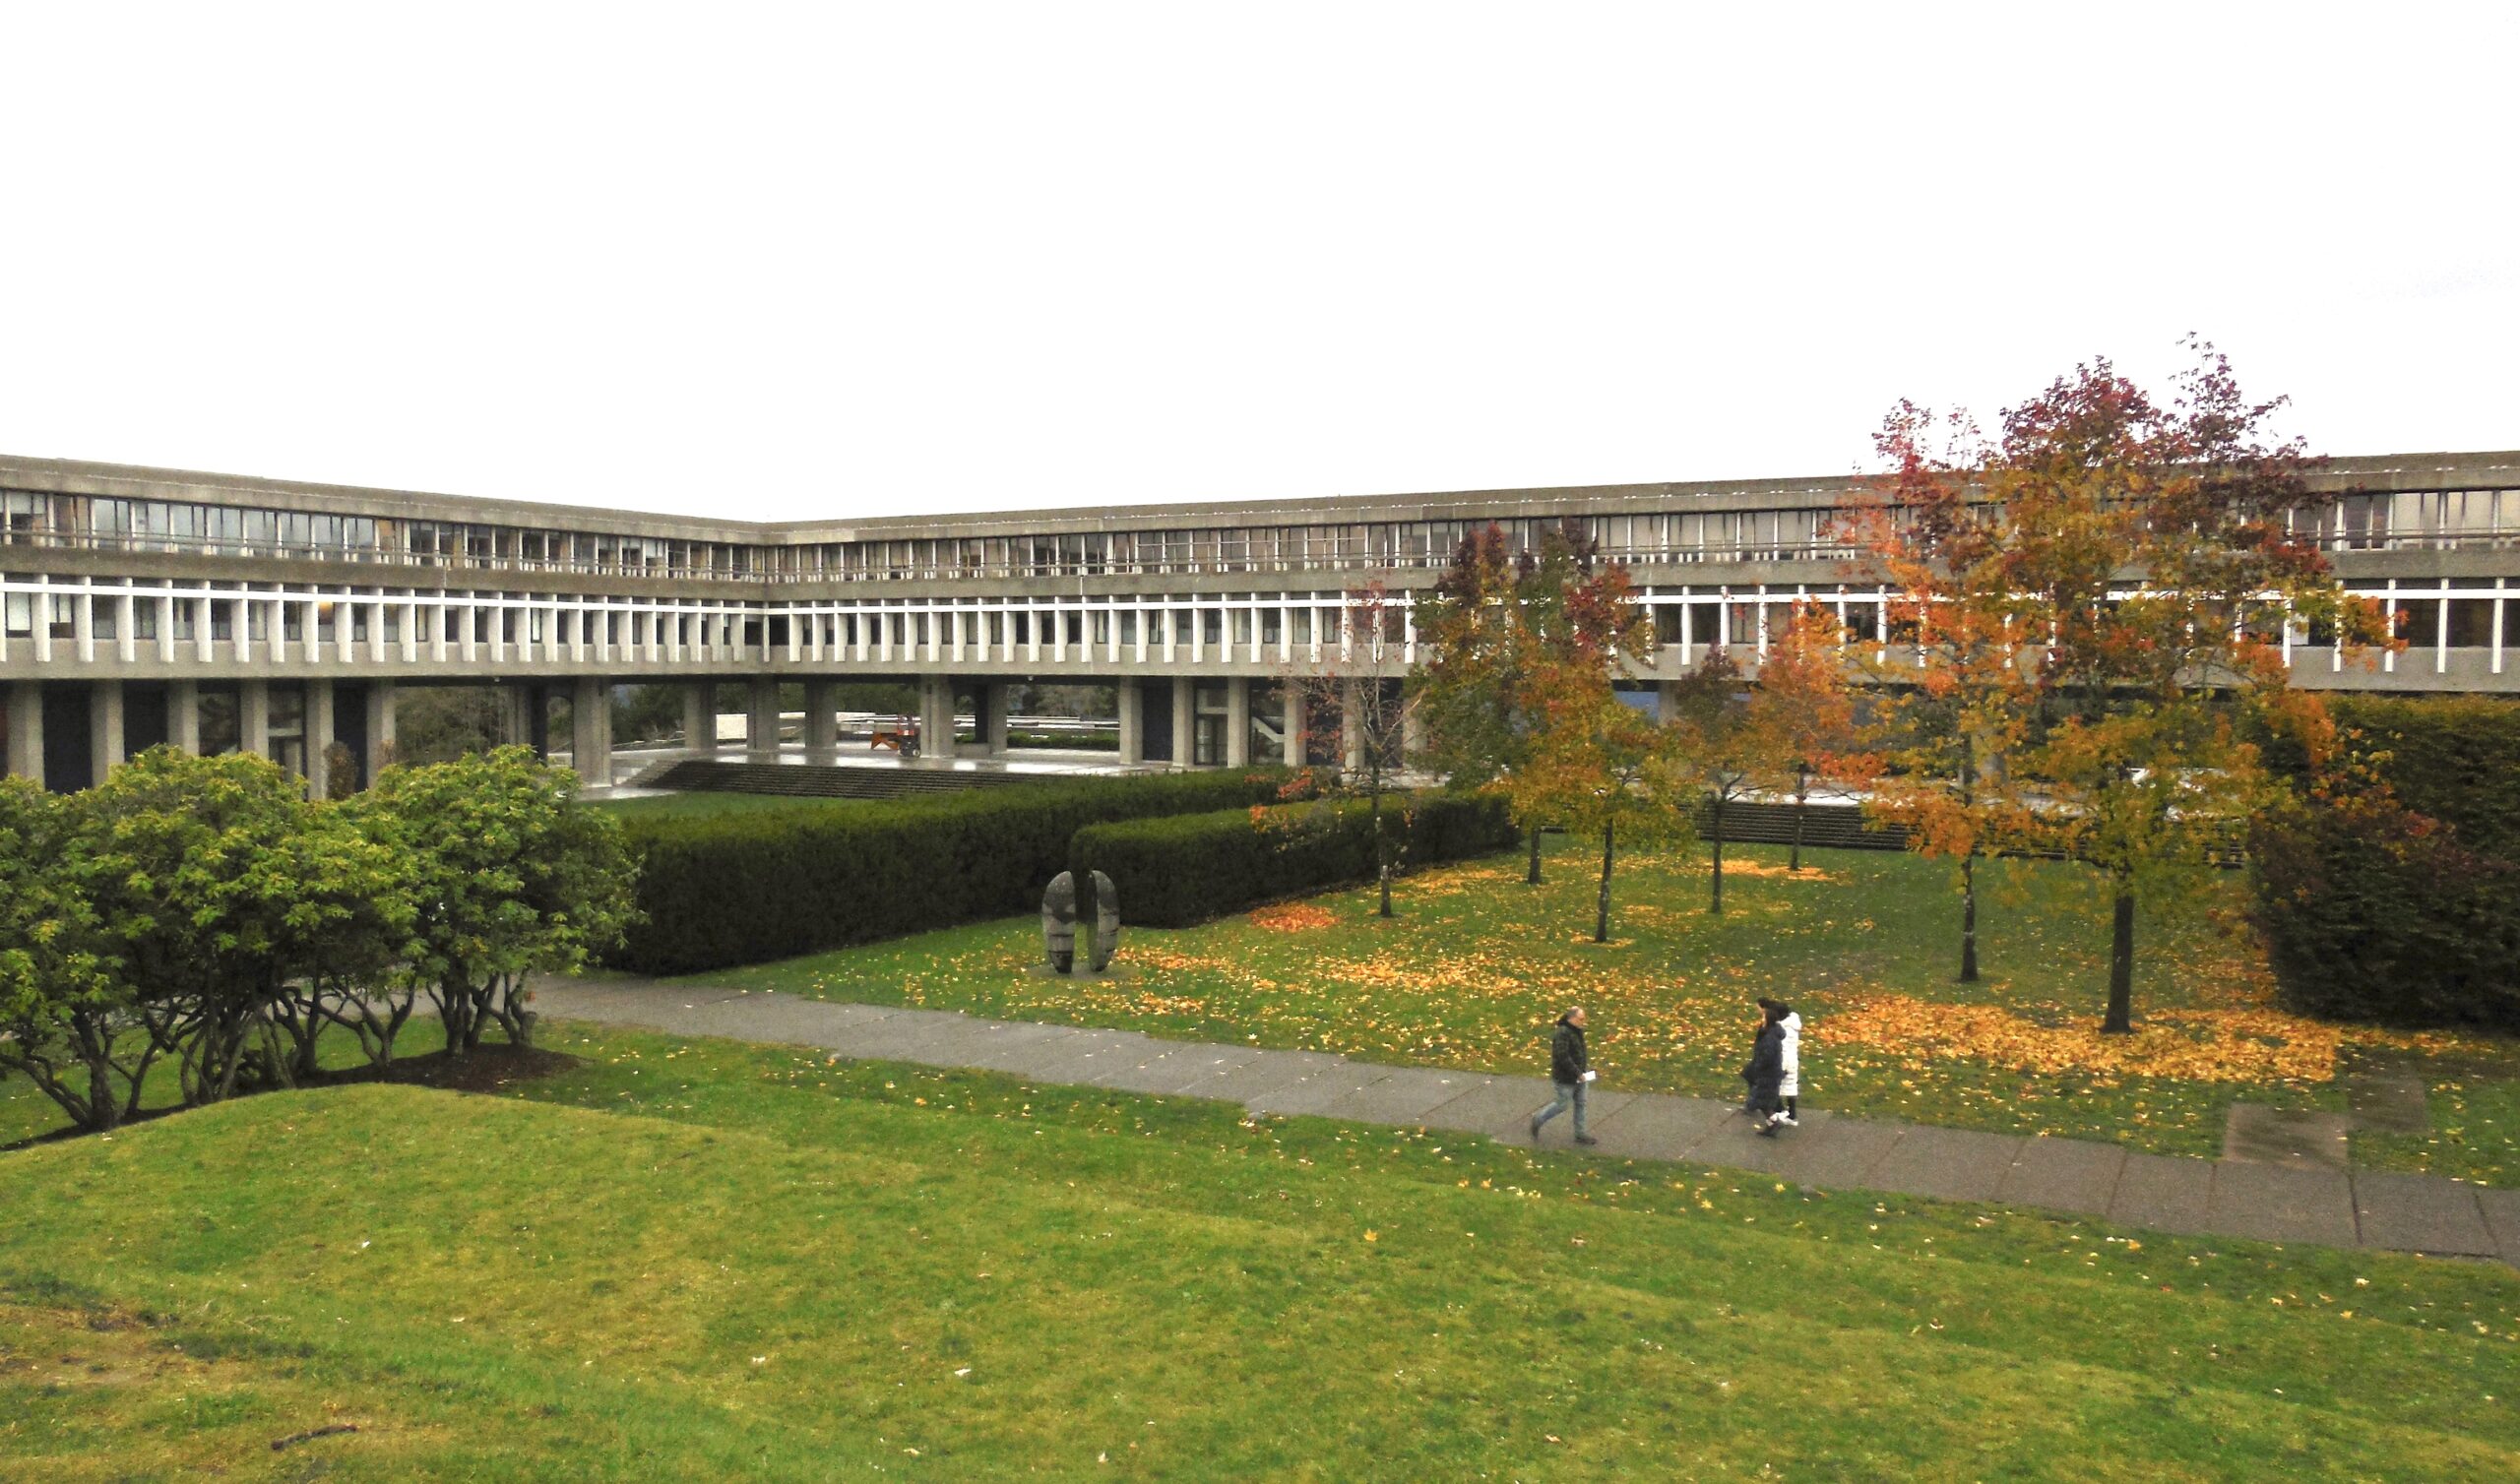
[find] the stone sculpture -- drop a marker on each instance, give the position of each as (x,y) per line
(1058,923)
(1107,921)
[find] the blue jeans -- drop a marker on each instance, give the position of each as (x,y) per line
(1568,1094)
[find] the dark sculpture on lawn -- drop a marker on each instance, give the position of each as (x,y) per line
(1059,918)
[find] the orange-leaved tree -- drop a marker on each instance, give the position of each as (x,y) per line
(1798,725)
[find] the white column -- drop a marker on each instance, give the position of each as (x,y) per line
(1184,720)
(698,715)
(183,716)
(202,643)
(1351,731)
(380,728)
(26,722)
(2501,601)
(591,732)
(1237,721)
(1293,726)
(104,729)
(2441,632)
(83,624)
(126,643)
(1132,698)
(319,727)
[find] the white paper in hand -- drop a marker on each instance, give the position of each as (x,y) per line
(1588,1076)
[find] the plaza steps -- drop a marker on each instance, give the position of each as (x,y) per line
(814,781)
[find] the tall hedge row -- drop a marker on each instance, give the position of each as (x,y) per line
(1187,869)
(724,890)
(2403,904)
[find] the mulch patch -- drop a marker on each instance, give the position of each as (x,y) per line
(491,1069)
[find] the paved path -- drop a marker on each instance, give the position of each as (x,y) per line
(2275,1203)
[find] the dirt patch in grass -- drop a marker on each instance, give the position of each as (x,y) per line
(491,1069)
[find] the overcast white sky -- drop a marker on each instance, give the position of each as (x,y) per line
(835,260)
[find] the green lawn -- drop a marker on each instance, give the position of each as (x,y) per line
(1476,966)
(704,1260)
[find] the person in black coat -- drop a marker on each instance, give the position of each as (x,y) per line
(1570,1070)
(1766,1073)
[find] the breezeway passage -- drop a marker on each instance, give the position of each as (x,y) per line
(2378,1210)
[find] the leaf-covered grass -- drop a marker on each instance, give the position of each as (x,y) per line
(2474,1099)
(706,1259)
(1477,964)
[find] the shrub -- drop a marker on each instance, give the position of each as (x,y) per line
(722,890)
(1175,872)
(2396,896)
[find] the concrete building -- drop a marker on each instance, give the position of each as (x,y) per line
(140,605)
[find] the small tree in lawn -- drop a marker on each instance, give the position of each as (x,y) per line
(516,877)
(1953,689)
(221,889)
(68,1022)
(1365,691)
(1799,720)
(1711,719)
(1590,761)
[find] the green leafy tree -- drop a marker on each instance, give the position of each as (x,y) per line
(514,878)
(68,1021)
(220,888)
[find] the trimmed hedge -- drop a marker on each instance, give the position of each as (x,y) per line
(724,890)
(1179,871)
(2403,905)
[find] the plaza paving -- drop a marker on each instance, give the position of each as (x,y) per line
(2305,1199)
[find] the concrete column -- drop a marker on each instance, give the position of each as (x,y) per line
(104,729)
(700,717)
(591,732)
(380,728)
(1413,734)
(1238,722)
(253,718)
(1292,726)
(822,721)
(1184,722)
(319,729)
(936,720)
(25,728)
(183,716)
(1351,732)
(761,712)
(1132,720)
(993,701)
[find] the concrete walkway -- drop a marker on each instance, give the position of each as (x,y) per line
(2272,1202)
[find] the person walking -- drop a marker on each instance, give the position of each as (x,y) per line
(1749,1090)
(1789,1087)
(1766,1073)
(1570,1070)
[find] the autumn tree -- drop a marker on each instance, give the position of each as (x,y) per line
(2138,560)
(1713,740)
(1800,722)
(1365,689)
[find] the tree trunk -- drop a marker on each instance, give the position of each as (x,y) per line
(2121,964)
(1801,798)
(1969,918)
(1382,847)
(1532,877)
(1715,903)
(1601,906)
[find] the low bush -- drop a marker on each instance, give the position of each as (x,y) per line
(724,890)
(2391,891)
(1180,870)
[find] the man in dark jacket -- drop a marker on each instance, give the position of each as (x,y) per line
(1766,1072)
(1570,1069)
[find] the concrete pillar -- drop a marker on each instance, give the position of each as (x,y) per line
(1413,734)
(1351,731)
(1292,727)
(380,729)
(591,732)
(1132,698)
(936,716)
(183,716)
(992,697)
(700,717)
(253,718)
(26,730)
(822,721)
(1238,722)
(1185,723)
(761,714)
(104,729)
(319,736)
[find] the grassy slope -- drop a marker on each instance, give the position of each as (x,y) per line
(1477,964)
(722,1260)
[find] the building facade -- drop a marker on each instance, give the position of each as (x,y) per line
(140,607)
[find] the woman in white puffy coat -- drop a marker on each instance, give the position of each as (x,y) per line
(1790,1087)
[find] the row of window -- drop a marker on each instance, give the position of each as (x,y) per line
(2430,518)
